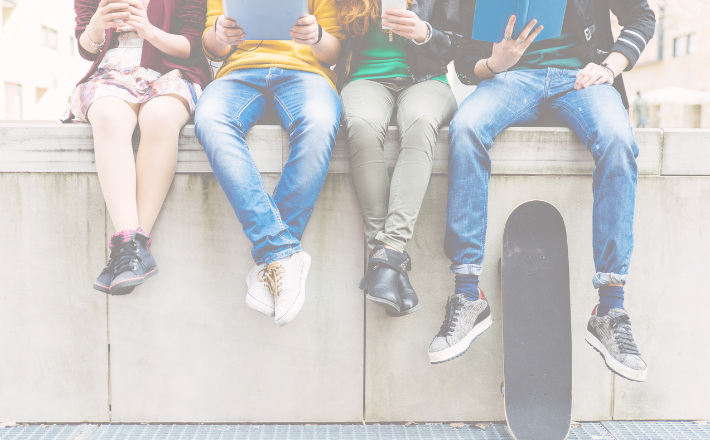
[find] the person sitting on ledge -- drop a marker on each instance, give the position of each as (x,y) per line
(148,70)
(573,78)
(293,78)
(404,67)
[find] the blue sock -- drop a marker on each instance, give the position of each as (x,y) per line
(610,297)
(467,285)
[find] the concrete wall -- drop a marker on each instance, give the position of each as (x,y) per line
(185,348)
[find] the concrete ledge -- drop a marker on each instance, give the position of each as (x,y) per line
(185,348)
(686,152)
(517,151)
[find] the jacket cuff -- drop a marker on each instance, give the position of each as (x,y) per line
(465,70)
(631,44)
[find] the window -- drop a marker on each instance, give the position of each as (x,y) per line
(685,45)
(680,46)
(692,43)
(72,46)
(50,39)
(13,101)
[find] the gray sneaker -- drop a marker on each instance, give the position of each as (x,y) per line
(465,320)
(611,336)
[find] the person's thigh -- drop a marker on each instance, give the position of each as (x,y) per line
(497,103)
(164,115)
(112,116)
(305,98)
(598,116)
(229,107)
(367,109)
(425,106)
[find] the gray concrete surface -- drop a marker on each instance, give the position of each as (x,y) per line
(185,347)
(53,334)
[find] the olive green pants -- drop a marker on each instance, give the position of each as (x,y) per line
(390,208)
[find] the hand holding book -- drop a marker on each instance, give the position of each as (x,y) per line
(508,51)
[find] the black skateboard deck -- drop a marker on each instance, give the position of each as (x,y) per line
(537,331)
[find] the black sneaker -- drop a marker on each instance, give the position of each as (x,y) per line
(103,281)
(611,336)
(134,264)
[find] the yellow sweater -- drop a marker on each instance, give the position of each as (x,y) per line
(283,54)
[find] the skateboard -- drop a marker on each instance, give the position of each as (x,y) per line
(537,331)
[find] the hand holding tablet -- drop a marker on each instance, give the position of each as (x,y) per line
(227,32)
(305,31)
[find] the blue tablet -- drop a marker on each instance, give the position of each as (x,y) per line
(265,19)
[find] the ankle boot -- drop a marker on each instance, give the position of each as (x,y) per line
(105,278)
(381,281)
(409,303)
(134,264)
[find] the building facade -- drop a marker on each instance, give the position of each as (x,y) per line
(677,56)
(39,59)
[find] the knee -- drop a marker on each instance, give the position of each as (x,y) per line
(318,125)
(468,135)
(362,133)
(157,126)
(617,143)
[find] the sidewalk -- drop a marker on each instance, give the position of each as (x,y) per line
(616,430)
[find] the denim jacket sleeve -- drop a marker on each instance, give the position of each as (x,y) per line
(639,23)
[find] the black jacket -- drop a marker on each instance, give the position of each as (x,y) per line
(426,61)
(636,17)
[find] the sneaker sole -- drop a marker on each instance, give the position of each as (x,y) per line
(463,345)
(126,287)
(101,288)
(388,305)
(612,364)
(298,304)
(405,313)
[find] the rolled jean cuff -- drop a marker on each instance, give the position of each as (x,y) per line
(384,239)
(466,269)
(603,279)
(283,253)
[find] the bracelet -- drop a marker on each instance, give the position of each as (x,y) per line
(493,71)
(320,34)
(99,46)
(429,32)
(608,69)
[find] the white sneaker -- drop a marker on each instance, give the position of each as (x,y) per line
(287,278)
(259,296)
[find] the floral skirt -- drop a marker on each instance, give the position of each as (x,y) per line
(138,85)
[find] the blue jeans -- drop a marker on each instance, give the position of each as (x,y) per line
(596,114)
(309,109)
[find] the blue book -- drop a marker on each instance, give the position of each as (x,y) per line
(491,18)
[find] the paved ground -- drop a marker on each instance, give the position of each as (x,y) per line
(626,430)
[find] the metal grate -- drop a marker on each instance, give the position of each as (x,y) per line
(46,432)
(632,430)
(626,430)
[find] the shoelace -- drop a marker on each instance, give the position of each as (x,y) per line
(453,305)
(127,257)
(111,260)
(271,276)
(622,334)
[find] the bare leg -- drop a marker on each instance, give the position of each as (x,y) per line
(160,120)
(113,121)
